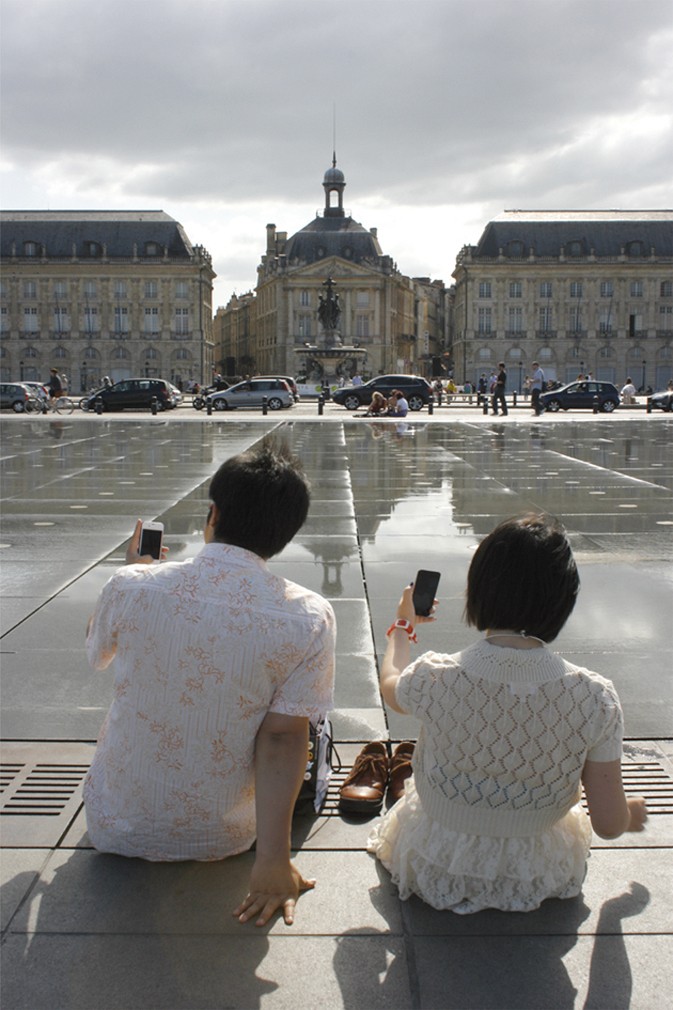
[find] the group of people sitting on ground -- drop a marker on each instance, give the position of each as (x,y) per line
(395,405)
(220,665)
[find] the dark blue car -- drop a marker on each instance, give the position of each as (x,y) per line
(582,395)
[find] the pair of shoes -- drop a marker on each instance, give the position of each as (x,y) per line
(400,770)
(364,788)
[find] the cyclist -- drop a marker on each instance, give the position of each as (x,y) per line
(55,386)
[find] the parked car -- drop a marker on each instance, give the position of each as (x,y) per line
(134,394)
(292,383)
(663,401)
(13,396)
(251,393)
(417,391)
(37,389)
(582,394)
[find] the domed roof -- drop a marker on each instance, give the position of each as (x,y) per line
(332,236)
(333,175)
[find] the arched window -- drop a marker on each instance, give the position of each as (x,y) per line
(635,354)
(182,354)
(151,354)
(30,352)
(120,353)
(91,354)
(59,352)
(545,354)
(606,352)
(485,354)
(515,354)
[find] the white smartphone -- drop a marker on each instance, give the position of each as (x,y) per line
(151,539)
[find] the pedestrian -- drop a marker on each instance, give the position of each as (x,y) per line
(482,386)
(219,666)
(499,390)
(510,731)
(628,392)
(537,384)
(357,379)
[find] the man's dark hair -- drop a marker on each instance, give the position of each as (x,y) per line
(262,497)
(523,577)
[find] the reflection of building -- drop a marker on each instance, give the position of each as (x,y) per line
(580,291)
(398,322)
(94,293)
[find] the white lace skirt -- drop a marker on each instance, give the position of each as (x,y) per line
(467,873)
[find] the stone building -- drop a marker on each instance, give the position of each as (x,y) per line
(387,322)
(95,293)
(578,291)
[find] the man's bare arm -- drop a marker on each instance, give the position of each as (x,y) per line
(281,751)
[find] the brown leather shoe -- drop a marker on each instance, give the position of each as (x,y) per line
(363,790)
(400,770)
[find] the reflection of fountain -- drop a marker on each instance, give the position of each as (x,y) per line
(332,360)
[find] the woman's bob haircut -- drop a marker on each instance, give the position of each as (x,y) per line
(523,578)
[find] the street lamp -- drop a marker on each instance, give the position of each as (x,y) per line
(147,369)
(21,371)
(520,376)
(82,377)
(644,364)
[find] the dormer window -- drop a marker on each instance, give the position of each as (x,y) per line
(575,248)
(92,250)
(635,249)
(516,249)
(30,249)
(152,249)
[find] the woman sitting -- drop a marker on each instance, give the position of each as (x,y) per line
(378,406)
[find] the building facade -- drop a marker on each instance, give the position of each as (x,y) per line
(578,291)
(103,293)
(390,322)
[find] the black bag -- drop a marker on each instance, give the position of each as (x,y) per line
(319,767)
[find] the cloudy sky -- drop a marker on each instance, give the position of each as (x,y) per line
(223,114)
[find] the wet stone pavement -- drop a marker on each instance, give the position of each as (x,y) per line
(85,930)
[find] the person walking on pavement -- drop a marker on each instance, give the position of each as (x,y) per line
(499,390)
(536,387)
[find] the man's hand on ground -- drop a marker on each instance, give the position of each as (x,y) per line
(273,885)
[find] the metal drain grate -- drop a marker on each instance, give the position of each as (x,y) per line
(40,791)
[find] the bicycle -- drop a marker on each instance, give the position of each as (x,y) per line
(44,405)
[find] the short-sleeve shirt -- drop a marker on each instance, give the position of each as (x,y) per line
(203,649)
(505,735)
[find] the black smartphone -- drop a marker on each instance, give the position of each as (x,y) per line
(151,539)
(425,590)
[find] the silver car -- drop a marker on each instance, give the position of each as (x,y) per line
(252,393)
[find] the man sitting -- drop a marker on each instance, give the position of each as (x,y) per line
(397,404)
(219,665)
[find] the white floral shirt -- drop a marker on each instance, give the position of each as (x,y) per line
(203,649)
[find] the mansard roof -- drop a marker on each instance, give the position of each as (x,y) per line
(332,236)
(603,232)
(117,230)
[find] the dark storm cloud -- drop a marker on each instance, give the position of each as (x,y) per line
(435,101)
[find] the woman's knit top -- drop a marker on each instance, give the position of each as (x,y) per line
(505,734)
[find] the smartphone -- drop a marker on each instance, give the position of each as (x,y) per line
(425,590)
(151,539)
